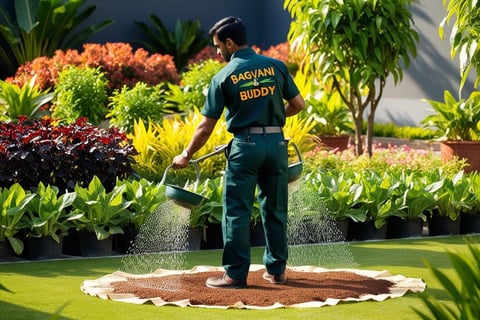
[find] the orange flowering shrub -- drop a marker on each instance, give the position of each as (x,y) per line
(121,65)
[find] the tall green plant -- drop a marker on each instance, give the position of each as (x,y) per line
(464,36)
(355,45)
(81,92)
(465,293)
(182,43)
(143,102)
(13,202)
(191,93)
(26,100)
(101,212)
(455,119)
(145,196)
(39,27)
(47,212)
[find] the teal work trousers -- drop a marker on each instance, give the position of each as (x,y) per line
(255,160)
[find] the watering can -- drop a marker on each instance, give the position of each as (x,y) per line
(185,198)
(295,169)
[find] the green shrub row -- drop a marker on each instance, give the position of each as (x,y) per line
(47,212)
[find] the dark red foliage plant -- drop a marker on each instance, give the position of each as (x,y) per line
(34,150)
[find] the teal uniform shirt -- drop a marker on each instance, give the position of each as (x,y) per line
(252,87)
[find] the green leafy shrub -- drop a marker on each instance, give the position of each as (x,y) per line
(464,293)
(182,43)
(39,27)
(26,101)
(14,200)
(404,132)
(400,182)
(157,144)
(48,213)
(140,103)
(80,92)
(144,197)
(192,90)
(102,212)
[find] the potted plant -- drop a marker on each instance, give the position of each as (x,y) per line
(102,214)
(145,196)
(341,197)
(452,198)
(330,118)
(208,216)
(470,219)
(14,201)
(457,123)
(417,196)
(47,221)
(459,119)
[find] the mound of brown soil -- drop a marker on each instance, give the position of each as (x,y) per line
(300,287)
(305,288)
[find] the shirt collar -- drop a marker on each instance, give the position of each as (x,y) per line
(243,52)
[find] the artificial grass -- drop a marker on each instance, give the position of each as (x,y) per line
(40,288)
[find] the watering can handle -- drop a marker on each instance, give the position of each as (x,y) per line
(197,171)
(195,162)
(218,149)
(299,155)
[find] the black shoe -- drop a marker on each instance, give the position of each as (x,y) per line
(275,278)
(225,282)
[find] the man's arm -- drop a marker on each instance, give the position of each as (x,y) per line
(294,105)
(200,137)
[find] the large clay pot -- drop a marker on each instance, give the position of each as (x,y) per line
(469,150)
(338,143)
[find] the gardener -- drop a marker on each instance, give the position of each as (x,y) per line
(252,87)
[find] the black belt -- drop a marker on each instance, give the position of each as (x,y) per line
(260,130)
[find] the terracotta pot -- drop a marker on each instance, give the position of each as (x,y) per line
(339,143)
(469,150)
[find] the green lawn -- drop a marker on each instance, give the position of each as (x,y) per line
(40,288)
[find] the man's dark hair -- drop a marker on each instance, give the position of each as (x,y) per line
(230,27)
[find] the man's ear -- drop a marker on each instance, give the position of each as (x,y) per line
(229,43)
